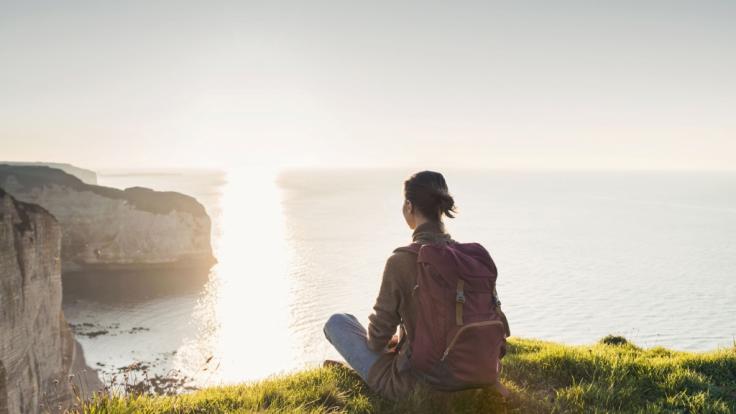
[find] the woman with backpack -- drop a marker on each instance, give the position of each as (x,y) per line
(441,295)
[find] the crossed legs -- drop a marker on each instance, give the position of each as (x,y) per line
(349,337)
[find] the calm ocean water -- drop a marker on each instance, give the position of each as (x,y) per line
(651,256)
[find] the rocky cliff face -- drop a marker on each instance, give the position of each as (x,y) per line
(107,228)
(37,350)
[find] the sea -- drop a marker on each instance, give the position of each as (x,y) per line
(581,255)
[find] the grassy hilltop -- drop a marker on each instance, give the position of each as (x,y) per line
(610,376)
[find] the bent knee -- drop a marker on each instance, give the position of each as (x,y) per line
(335,320)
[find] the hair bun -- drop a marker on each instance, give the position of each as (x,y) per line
(446,203)
(427,190)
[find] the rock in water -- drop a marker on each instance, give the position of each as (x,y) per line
(109,229)
(38,353)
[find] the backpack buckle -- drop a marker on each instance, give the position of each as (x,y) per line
(460,299)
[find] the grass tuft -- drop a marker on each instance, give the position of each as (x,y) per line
(614,340)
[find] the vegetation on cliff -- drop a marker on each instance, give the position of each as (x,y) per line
(610,376)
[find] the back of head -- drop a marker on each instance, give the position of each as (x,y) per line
(427,191)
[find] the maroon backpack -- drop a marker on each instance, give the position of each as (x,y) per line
(460,333)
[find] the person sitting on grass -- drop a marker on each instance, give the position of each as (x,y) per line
(468,325)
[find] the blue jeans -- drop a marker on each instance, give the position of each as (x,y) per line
(349,337)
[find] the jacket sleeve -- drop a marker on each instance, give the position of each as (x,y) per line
(382,323)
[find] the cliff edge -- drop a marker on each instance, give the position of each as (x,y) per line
(38,353)
(109,229)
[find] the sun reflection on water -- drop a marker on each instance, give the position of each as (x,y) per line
(243,315)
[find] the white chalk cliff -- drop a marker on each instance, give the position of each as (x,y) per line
(38,353)
(106,228)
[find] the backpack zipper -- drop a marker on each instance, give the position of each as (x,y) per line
(457,334)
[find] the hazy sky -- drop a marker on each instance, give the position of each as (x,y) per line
(155,83)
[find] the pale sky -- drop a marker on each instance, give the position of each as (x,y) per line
(158,83)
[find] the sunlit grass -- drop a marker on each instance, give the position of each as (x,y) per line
(611,376)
